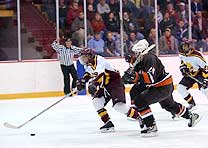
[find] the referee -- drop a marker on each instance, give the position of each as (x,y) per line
(66,56)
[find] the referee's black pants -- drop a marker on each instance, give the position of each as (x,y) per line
(67,70)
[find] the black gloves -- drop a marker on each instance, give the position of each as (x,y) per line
(81,84)
(205,83)
(92,89)
(184,70)
(130,77)
(130,58)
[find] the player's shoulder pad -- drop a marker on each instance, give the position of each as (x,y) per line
(198,55)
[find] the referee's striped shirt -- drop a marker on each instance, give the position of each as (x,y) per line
(65,55)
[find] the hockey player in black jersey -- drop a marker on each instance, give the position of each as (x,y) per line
(193,67)
(152,84)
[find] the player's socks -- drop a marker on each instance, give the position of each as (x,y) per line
(191,107)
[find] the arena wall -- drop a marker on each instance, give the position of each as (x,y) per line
(44,78)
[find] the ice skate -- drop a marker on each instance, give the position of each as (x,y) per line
(192,107)
(194,119)
(149,131)
(73,92)
(108,127)
(70,95)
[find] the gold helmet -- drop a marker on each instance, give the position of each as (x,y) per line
(186,47)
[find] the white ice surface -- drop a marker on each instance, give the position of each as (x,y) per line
(73,123)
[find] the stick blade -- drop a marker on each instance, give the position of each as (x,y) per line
(8,125)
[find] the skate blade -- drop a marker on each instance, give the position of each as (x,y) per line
(152,134)
(176,118)
(107,130)
(131,119)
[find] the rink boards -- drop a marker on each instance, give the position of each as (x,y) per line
(43,78)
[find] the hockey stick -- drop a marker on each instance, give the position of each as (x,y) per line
(8,125)
(143,53)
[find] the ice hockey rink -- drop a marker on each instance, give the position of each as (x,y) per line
(73,123)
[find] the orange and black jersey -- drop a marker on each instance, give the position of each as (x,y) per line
(152,72)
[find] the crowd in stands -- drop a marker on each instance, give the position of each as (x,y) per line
(103,23)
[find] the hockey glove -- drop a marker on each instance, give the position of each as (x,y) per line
(130,77)
(130,58)
(205,83)
(81,84)
(184,70)
(92,89)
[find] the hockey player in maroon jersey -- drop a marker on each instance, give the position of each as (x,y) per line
(152,84)
(105,84)
(192,65)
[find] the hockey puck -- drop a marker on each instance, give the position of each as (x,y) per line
(32,134)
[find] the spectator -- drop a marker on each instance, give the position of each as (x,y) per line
(196,6)
(127,20)
(97,44)
(152,39)
(137,3)
(90,12)
(159,15)
(147,2)
(72,13)
(181,31)
(114,7)
(131,41)
(77,29)
(149,23)
(98,24)
(110,46)
(133,28)
(205,45)
(183,12)
(130,8)
(201,23)
(172,13)
(164,3)
(196,33)
(93,3)
(62,14)
(111,23)
(167,22)
(152,36)
(147,10)
(103,8)
(197,38)
(167,43)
